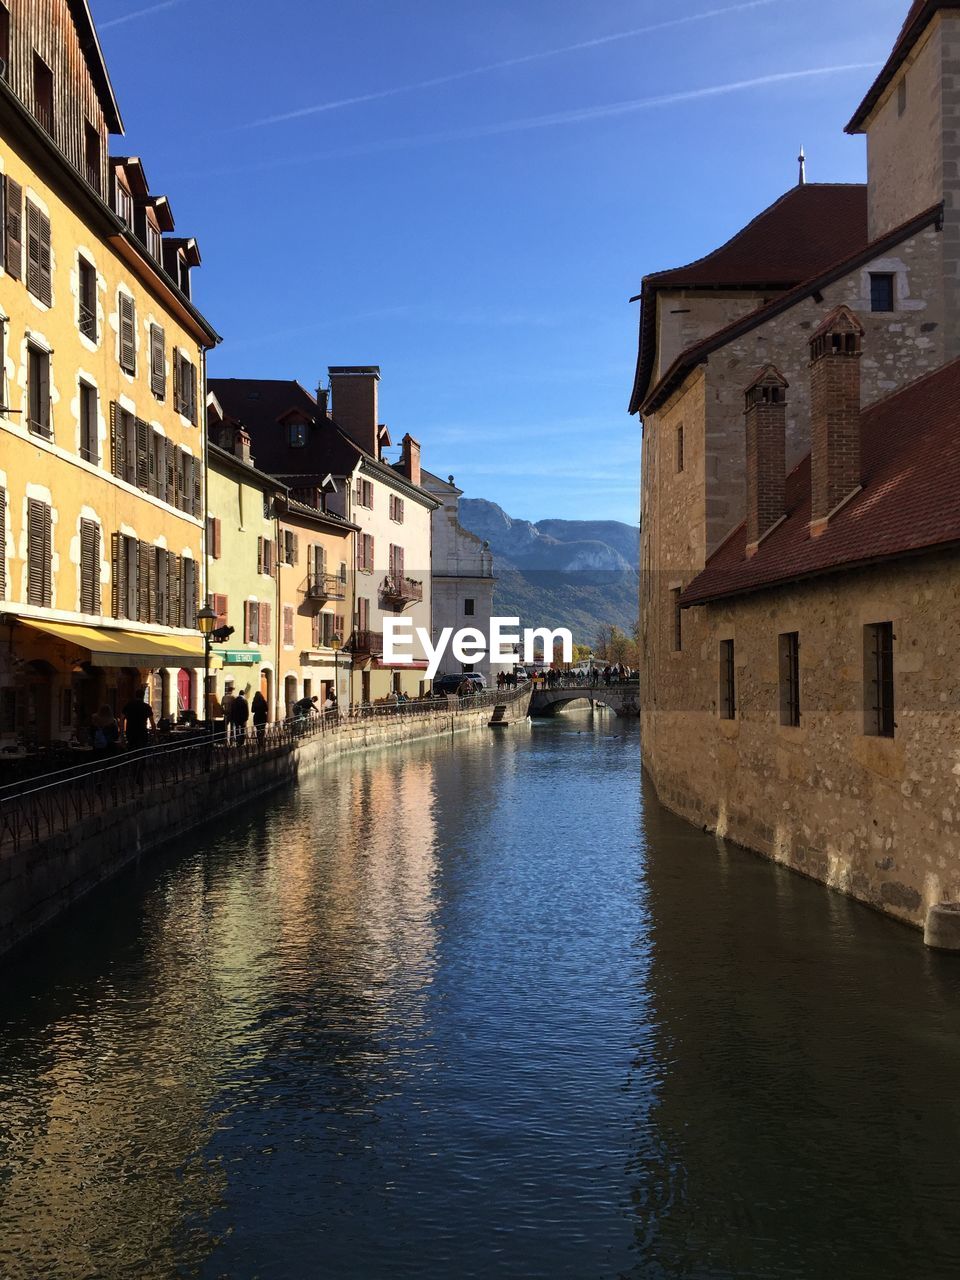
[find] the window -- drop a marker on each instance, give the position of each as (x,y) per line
(881,291)
(154,245)
(288,625)
(902,96)
(363,613)
(267,507)
(128,333)
(123,202)
(39,278)
(396,508)
(219,606)
(89,434)
(43,93)
(297,435)
(878,641)
(789,645)
(38,376)
(185,387)
(213,537)
(87,312)
(158,363)
(365,552)
(39,553)
(395,561)
(728,686)
(125,576)
(89,567)
(364,494)
(675,594)
(266,557)
(91,155)
(469,608)
(291,547)
(4,40)
(12,228)
(679,448)
(191,588)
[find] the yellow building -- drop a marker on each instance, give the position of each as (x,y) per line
(103,370)
(280,573)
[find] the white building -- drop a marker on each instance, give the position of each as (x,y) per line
(462,584)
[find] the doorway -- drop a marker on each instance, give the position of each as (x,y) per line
(184,692)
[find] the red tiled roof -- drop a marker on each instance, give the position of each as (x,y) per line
(799,235)
(698,353)
(910,501)
(916,22)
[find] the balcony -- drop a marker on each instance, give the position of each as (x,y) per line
(367,644)
(325,586)
(400,590)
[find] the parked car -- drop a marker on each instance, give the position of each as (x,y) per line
(451,683)
(521,674)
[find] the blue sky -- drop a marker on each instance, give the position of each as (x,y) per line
(467,195)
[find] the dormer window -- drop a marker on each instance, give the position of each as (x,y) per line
(43,93)
(297,435)
(91,154)
(154,247)
(123,202)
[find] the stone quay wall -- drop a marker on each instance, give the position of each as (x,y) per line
(40,881)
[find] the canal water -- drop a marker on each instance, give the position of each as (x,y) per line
(478,1007)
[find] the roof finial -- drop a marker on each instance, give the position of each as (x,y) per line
(803,166)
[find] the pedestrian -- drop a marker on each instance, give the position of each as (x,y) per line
(239,715)
(106,732)
(259,711)
(137,714)
(227,703)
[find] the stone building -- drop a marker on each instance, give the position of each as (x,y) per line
(799,573)
(333,461)
(462,573)
(102,358)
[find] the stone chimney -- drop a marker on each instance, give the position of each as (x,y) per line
(834,415)
(410,459)
(241,444)
(355,404)
(766,429)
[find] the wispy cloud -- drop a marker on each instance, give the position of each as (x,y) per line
(452,77)
(139,13)
(556,119)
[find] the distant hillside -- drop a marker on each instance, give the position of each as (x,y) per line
(570,573)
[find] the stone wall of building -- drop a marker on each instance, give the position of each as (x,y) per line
(687,316)
(876,818)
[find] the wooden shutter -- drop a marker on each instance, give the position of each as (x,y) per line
(338,625)
(143,581)
(315,631)
(163,603)
(174,610)
(128,427)
(288,624)
(128,334)
(89,566)
(158,371)
(191,390)
(39,539)
(143,462)
(13,231)
(170,459)
(3,544)
(118,561)
(363,614)
(220,609)
(264,621)
(116,441)
(177,476)
(197,489)
(246,622)
(296,548)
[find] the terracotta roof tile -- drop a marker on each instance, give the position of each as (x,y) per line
(798,236)
(910,501)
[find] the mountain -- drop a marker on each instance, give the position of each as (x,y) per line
(560,573)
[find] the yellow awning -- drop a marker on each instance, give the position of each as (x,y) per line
(115,648)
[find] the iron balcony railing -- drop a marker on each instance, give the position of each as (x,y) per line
(88,322)
(406,590)
(325,586)
(368,643)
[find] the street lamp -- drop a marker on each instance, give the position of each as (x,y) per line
(335,643)
(206,621)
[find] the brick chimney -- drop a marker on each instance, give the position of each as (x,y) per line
(834,415)
(241,444)
(765,420)
(410,459)
(355,408)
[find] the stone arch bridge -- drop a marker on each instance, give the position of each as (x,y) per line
(624,699)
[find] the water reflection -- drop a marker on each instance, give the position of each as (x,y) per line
(477,1008)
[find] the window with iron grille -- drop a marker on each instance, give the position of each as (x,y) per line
(676,619)
(878,685)
(789,655)
(87,303)
(89,433)
(728,685)
(881,291)
(38,378)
